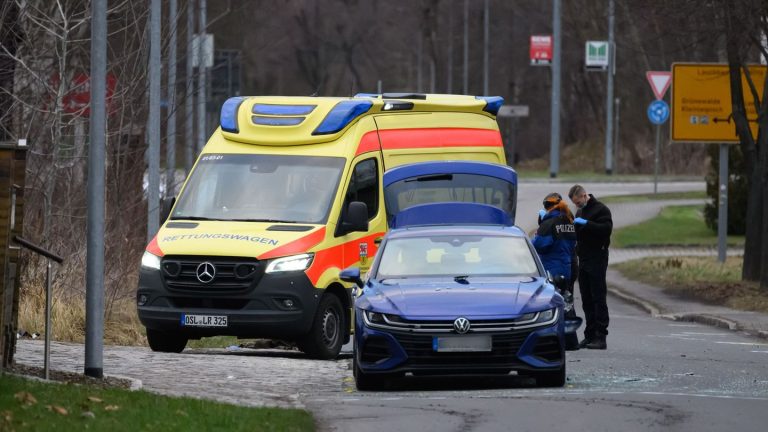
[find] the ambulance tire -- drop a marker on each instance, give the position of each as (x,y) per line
(326,336)
(166,342)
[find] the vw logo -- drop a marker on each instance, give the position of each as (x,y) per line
(206,272)
(461,325)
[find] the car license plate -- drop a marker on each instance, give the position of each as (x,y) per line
(469,343)
(203,320)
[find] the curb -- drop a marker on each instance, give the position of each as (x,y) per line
(649,307)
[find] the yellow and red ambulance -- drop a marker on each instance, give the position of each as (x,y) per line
(287,193)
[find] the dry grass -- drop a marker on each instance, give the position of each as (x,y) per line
(121,322)
(700,278)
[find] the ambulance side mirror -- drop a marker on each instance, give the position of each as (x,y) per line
(356,218)
(166,205)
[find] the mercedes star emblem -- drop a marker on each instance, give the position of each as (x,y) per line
(461,325)
(206,272)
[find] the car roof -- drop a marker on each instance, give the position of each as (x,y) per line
(431,230)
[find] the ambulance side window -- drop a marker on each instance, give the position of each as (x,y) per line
(364,187)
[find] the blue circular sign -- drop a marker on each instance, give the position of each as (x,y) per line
(658,112)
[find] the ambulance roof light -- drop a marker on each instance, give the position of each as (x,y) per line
(367,95)
(341,115)
(492,103)
(273,109)
(228,116)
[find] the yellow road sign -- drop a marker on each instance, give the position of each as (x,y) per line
(701,102)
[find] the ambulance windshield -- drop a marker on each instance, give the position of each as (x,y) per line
(260,188)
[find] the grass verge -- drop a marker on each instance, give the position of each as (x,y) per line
(619,199)
(700,278)
(674,226)
(35,405)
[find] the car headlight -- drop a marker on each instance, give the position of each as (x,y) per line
(290,263)
(374,317)
(546,315)
(150,261)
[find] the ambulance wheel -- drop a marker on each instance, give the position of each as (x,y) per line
(325,338)
(166,342)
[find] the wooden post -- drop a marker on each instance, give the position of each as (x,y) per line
(12,174)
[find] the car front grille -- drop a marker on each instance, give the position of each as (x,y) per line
(232,274)
(548,349)
(421,354)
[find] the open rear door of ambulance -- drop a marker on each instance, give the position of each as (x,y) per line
(450,181)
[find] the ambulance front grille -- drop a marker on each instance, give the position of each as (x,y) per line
(217,274)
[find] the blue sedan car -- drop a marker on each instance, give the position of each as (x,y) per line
(446,299)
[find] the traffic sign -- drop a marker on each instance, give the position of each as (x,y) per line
(541,50)
(658,112)
(701,102)
(659,81)
(596,55)
(513,111)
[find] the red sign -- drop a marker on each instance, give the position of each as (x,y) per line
(541,49)
(78,99)
(659,81)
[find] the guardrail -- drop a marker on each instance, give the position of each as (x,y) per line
(50,256)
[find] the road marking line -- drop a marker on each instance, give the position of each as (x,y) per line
(684,325)
(764,352)
(705,334)
(742,343)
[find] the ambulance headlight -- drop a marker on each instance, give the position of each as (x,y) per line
(290,263)
(150,261)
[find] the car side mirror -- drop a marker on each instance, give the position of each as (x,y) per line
(351,274)
(356,218)
(166,205)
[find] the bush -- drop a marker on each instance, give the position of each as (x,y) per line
(737,190)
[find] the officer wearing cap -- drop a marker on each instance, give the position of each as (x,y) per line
(555,238)
(594,225)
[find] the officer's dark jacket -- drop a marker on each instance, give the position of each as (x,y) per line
(555,241)
(594,237)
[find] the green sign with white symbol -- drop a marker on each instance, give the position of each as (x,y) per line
(597,55)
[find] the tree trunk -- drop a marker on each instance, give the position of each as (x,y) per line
(753,253)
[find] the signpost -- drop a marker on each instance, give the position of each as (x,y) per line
(701,112)
(658,113)
(512,112)
(541,50)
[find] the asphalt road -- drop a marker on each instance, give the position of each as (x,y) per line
(656,375)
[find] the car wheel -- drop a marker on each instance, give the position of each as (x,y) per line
(551,379)
(166,342)
(326,336)
(365,382)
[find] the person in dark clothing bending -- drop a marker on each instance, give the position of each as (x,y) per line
(594,225)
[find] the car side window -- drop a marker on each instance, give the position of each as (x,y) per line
(364,187)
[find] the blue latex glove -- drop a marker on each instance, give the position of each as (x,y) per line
(580,221)
(542,213)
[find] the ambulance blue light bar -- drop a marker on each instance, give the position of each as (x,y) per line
(492,103)
(271,109)
(228,116)
(341,115)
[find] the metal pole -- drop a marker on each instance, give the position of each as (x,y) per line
(722,205)
(554,147)
(609,92)
(94,279)
(378,87)
(202,129)
(465,88)
(189,100)
(432,82)
(616,136)
(419,54)
(449,86)
(47,355)
(153,124)
(656,160)
(170,151)
(486,47)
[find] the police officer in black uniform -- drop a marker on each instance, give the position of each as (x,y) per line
(593,224)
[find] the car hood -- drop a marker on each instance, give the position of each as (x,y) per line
(447,299)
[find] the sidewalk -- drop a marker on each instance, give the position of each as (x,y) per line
(660,304)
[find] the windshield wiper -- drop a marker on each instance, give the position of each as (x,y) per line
(462,279)
(201,218)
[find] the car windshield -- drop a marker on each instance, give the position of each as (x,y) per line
(270,188)
(459,255)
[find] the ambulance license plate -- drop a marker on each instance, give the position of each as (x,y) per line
(203,320)
(469,343)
